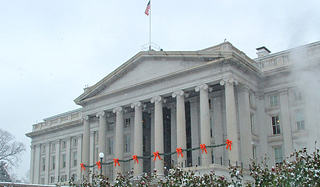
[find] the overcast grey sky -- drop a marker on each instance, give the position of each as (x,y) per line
(49,50)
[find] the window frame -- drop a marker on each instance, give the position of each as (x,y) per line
(276,126)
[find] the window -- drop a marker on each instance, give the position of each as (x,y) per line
(278,155)
(43,149)
(254,152)
(209,100)
(53,147)
(273,100)
(297,96)
(127,122)
(275,125)
(63,161)
(43,161)
(251,99)
(52,180)
(97,137)
(127,143)
(110,126)
(63,144)
(74,142)
(75,157)
(110,143)
(252,124)
(53,159)
(63,178)
(74,177)
(299,120)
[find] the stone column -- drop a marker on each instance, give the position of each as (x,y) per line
(195,130)
(245,125)
(181,125)
(231,119)
(79,151)
(138,137)
(173,133)
(119,144)
(32,161)
(204,123)
(285,122)
(47,167)
(218,129)
(86,146)
(37,160)
(102,138)
(57,163)
(158,133)
(68,157)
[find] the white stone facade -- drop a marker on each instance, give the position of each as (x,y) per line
(163,100)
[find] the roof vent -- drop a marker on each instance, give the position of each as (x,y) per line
(262,51)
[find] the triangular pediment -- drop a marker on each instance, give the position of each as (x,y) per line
(149,66)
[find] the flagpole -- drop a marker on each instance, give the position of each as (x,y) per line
(150,27)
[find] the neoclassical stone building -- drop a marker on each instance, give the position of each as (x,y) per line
(163,100)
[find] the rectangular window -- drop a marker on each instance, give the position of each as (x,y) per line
(53,161)
(299,118)
(275,125)
(273,100)
(43,160)
(254,152)
(74,142)
(127,143)
(278,155)
(64,159)
(209,100)
(52,180)
(53,147)
(297,96)
(252,124)
(127,122)
(63,178)
(74,177)
(75,158)
(110,143)
(63,144)
(110,126)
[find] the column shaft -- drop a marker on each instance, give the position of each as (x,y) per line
(181,125)
(205,123)
(158,133)
(138,137)
(86,146)
(119,144)
(102,138)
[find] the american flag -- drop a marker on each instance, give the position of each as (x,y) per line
(147,9)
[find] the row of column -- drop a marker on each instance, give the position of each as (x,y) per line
(158,128)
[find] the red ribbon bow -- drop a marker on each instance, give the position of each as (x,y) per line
(98,164)
(156,154)
(228,144)
(135,158)
(203,147)
(116,161)
(179,151)
(82,167)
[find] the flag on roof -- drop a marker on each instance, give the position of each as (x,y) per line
(147,9)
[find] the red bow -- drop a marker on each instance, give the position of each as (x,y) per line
(116,161)
(156,154)
(82,167)
(179,151)
(228,144)
(98,164)
(203,147)
(135,158)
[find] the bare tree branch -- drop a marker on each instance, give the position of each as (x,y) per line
(10,150)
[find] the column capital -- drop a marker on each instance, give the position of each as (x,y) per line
(85,118)
(101,114)
(118,109)
(178,93)
(230,81)
(136,104)
(157,99)
(201,87)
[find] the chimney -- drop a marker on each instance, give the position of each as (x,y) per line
(262,51)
